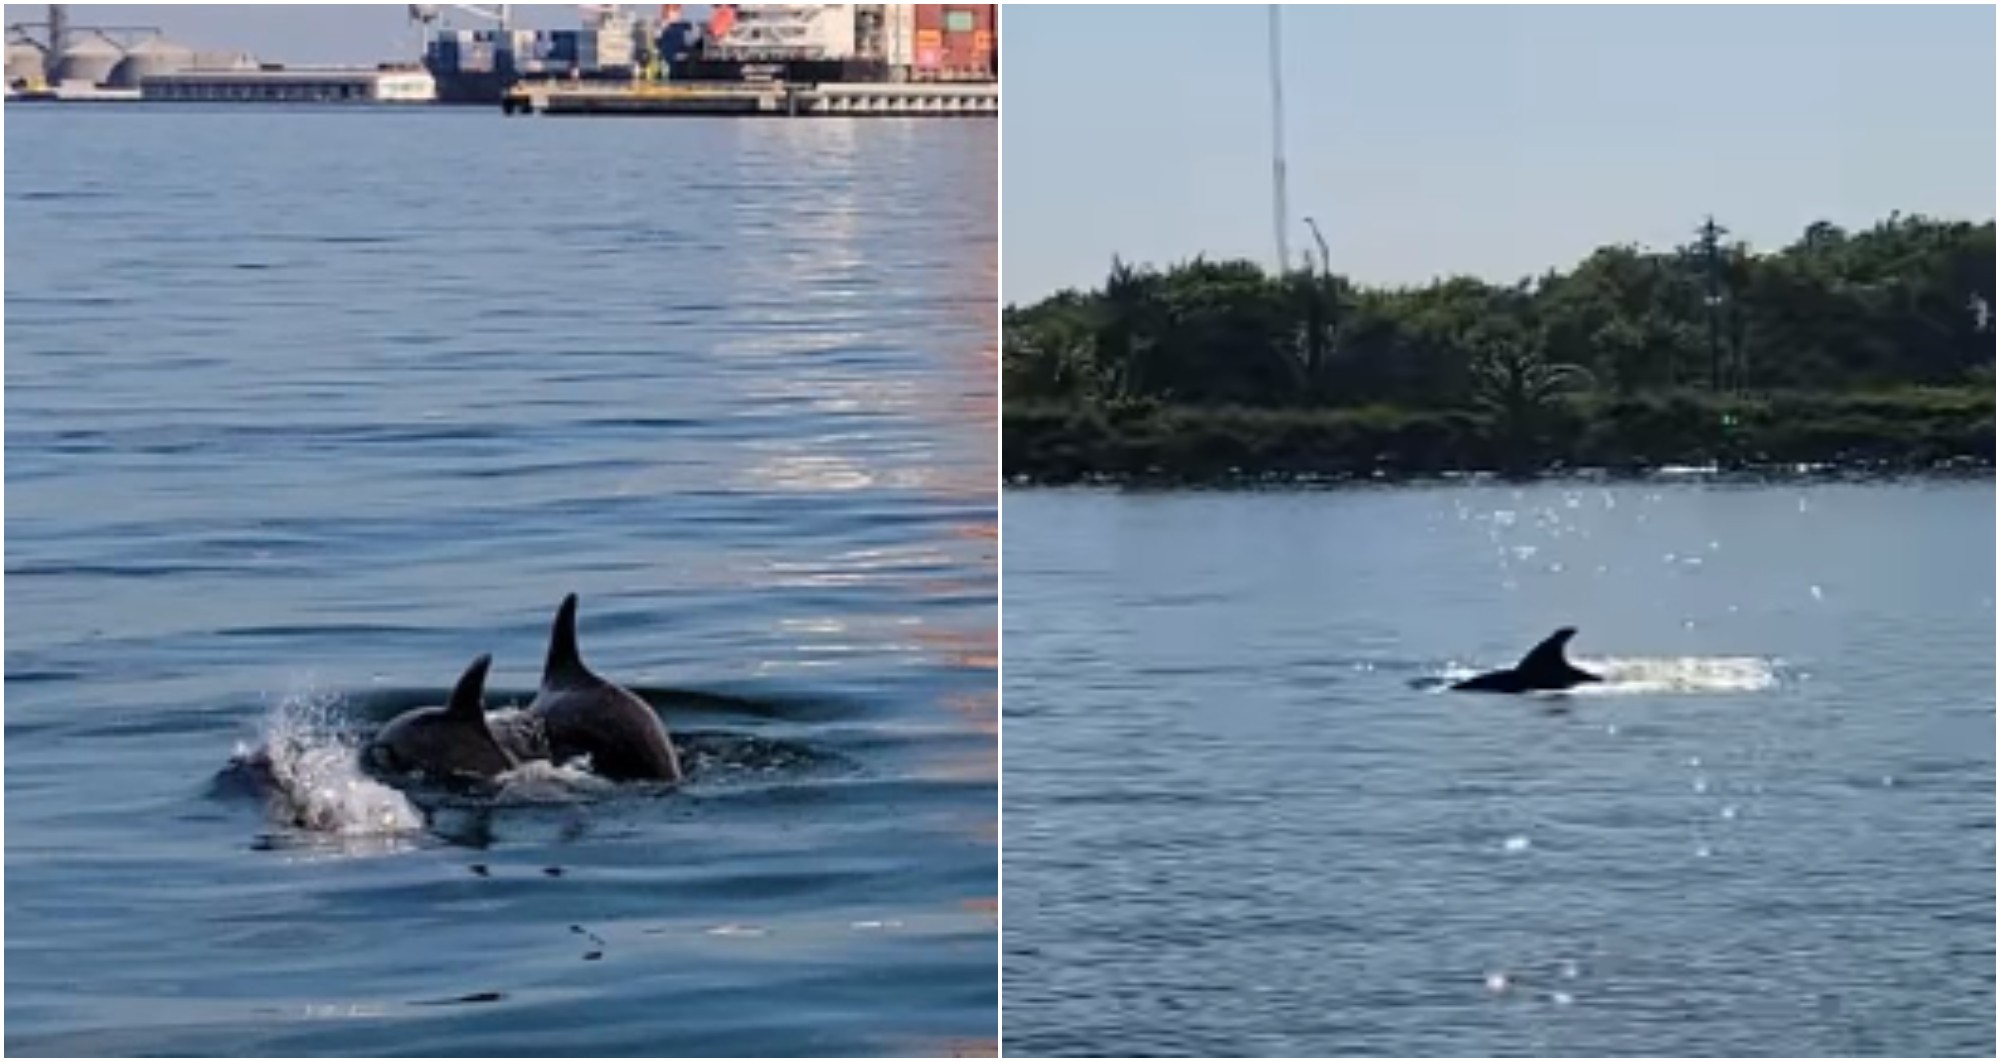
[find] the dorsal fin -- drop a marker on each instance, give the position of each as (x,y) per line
(468,698)
(1547,658)
(565,662)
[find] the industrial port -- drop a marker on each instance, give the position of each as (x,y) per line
(748,59)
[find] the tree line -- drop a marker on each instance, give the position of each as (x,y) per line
(1908,303)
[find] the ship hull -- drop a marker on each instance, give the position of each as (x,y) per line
(790,71)
(462,86)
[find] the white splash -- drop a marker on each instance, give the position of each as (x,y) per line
(317,784)
(543,782)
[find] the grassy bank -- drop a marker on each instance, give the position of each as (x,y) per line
(1907,429)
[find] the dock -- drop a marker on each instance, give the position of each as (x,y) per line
(73,92)
(768,99)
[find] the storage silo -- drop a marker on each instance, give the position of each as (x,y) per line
(88,57)
(155,55)
(25,63)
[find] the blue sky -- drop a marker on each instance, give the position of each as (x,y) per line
(1495,141)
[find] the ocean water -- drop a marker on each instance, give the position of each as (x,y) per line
(307,408)
(1242,817)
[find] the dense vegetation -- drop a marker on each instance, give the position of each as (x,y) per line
(1873,348)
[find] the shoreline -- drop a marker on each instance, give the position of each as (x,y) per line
(1746,475)
(1798,435)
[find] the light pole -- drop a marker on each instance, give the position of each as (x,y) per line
(1279,212)
(1325,260)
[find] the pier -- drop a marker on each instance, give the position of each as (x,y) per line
(768,99)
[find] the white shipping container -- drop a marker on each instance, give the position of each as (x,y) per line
(899,31)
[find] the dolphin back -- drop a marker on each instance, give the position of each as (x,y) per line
(468,698)
(1546,667)
(1508,681)
(582,713)
(446,742)
(564,666)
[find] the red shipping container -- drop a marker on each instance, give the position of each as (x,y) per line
(954,18)
(969,38)
(956,39)
(963,51)
(981,14)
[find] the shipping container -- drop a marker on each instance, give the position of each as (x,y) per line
(966,18)
(899,34)
(955,41)
(614,48)
(967,53)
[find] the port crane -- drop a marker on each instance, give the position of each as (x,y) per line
(56,31)
(499,14)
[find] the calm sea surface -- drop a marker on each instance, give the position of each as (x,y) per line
(1241,818)
(307,408)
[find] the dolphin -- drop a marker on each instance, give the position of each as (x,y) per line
(1544,668)
(448,742)
(581,712)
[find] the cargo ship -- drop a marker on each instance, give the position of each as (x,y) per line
(806,44)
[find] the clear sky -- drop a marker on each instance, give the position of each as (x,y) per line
(1494,141)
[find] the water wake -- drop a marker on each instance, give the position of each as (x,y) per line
(1686,674)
